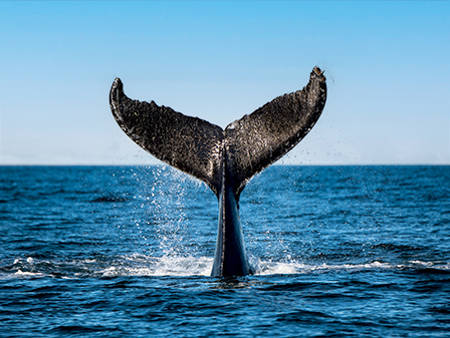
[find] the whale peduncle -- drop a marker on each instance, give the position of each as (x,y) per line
(230,257)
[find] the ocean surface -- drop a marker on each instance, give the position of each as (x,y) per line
(127,251)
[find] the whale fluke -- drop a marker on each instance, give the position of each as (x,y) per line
(195,146)
(224,159)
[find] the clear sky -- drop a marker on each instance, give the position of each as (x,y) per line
(387,65)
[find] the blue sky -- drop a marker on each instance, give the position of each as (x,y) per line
(387,65)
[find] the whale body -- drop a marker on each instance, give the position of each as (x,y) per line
(225,159)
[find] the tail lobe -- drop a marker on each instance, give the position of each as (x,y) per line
(259,139)
(187,143)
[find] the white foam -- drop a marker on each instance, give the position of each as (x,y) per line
(276,268)
(29,274)
(172,265)
(142,265)
(272,268)
(89,260)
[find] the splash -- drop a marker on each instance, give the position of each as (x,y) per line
(167,210)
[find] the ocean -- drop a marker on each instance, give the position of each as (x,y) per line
(109,251)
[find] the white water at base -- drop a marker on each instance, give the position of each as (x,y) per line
(144,265)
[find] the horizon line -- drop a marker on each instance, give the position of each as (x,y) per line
(273,165)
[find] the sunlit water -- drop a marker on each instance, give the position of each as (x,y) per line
(127,251)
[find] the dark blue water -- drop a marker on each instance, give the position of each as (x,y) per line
(127,251)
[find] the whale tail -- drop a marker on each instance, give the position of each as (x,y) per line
(197,147)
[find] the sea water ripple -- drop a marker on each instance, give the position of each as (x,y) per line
(114,251)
